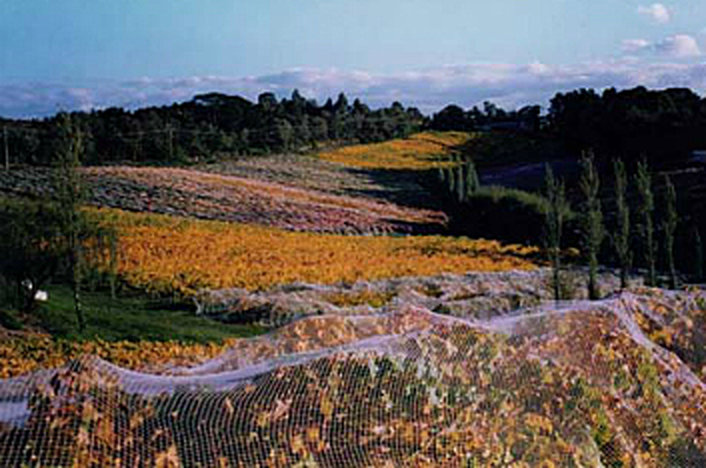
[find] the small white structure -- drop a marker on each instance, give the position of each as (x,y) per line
(39,296)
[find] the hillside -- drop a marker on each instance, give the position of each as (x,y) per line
(383,341)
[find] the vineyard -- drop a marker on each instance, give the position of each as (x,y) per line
(477,296)
(167,255)
(582,384)
(191,193)
(23,354)
(422,151)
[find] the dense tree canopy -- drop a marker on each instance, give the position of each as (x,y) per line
(210,124)
(633,124)
(492,117)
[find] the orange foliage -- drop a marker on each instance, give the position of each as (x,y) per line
(26,354)
(165,254)
(418,152)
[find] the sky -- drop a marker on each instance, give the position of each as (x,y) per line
(84,54)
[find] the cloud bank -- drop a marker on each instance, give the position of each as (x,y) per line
(430,89)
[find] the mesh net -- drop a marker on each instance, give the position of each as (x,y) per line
(612,383)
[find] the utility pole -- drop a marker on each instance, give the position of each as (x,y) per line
(7,149)
(170,132)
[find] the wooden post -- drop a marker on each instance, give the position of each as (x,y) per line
(7,149)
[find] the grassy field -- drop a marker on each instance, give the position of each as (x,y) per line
(132,330)
(168,255)
(133,317)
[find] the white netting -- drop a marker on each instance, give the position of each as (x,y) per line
(612,383)
(473,295)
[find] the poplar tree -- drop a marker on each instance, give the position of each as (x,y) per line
(646,209)
(460,184)
(70,195)
(555,215)
(592,221)
(79,233)
(621,237)
(441,175)
(472,181)
(669,225)
(451,178)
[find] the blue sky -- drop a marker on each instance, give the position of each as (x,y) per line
(80,54)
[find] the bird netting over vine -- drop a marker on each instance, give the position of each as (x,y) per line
(617,383)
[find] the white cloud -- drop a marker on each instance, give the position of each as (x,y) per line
(657,12)
(679,46)
(430,89)
(635,45)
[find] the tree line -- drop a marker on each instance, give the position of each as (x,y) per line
(209,125)
(658,125)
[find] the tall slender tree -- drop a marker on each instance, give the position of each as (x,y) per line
(555,216)
(460,184)
(621,236)
(472,181)
(669,226)
(452,176)
(70,196)
(592,221)
(646,208)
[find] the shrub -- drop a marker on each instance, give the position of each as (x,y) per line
(510,215)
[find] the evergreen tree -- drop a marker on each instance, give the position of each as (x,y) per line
(621,237)
(669,225)
(646,208)
(319,129)
(555,215)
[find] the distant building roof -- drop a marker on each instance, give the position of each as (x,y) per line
(699,156)
(507,125)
